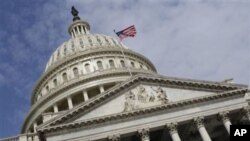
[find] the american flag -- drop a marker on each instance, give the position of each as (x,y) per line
(128,32)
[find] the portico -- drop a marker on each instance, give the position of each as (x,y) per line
(156,122)
(198,128)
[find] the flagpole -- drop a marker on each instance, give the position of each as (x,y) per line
(125,58)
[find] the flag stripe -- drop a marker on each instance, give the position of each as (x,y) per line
(127,32)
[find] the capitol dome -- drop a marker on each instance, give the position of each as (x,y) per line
(81,43)
(80,69)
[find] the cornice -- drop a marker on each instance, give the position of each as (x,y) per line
(126,115)
(89,52)
(182,84)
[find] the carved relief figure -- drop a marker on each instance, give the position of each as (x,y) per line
(143,96)
(142,99)
(161,95)
(129,101)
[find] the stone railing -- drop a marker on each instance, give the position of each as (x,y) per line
(22,137)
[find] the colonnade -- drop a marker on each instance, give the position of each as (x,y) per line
(69,99)
(79,29)
(70,104)
(198,122)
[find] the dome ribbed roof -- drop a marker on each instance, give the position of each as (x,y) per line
(82,43)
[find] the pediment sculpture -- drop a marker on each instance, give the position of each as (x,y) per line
(141,98)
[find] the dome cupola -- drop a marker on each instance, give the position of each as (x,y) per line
(78,27)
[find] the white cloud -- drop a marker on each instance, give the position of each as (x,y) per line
(195,39)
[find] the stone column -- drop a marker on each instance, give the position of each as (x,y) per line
(70,104)
(202,130)
(78,30)
(34,127)
(55,108)
(29,138)
(114,138)
(36,138)
(82,30)
(74,32)
(223,116)
(172,127)
(85,95)
(144,134)
(86,30)
(101,89)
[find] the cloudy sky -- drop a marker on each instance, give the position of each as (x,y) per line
(199,39)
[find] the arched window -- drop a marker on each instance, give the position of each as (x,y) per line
(111,64)
(75,71)
(65,77)
(122,63)
(141,66)
(47,88)
(87,67)
(133,64)
(55,82)
(99,65)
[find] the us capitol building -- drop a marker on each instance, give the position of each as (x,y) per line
(90,91)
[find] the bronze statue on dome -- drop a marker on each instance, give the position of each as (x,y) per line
(74,12)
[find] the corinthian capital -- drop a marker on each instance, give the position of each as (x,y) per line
(114,138)
(199,121)
(223,116)
(172,127)
(144,134)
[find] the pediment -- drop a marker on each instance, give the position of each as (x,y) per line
(138,93)
(142,96)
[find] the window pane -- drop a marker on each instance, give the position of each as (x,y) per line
(111,63)
(99,65)
(87,68)
(65,78)
(133,64)
(75,71)
(122,63)
(55,82)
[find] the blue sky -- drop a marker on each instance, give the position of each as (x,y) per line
(196,39)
